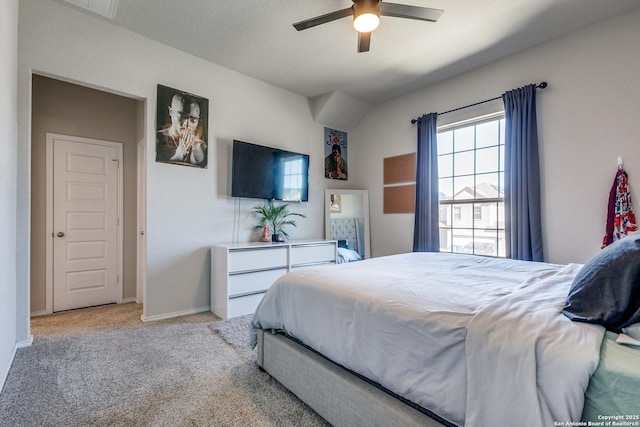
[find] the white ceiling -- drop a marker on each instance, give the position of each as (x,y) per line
(256,38)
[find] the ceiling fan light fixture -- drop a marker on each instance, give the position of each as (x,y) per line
(366,15)
(366,22)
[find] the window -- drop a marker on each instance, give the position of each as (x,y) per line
(457,213)
(477,212)
(471,186)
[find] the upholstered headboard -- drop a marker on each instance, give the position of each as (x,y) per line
(347,229)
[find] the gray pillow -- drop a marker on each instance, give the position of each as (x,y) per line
(606,291)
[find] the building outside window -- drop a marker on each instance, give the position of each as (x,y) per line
(471,186)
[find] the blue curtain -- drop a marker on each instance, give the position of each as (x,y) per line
(523,225)
(426,232)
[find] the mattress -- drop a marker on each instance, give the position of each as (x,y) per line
(419,325)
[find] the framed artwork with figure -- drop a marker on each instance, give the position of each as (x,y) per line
(335,150)
(182,121)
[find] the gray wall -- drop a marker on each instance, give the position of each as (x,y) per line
(188,209)
(70,109)
(587,117)
(8,148)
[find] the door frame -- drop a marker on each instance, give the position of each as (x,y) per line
(141,248)
(50,137)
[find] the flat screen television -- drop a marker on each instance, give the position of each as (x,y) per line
(261,172)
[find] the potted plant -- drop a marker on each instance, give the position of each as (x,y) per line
(274,217)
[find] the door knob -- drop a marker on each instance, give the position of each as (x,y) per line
(60,234)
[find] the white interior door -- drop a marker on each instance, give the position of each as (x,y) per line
(85,232)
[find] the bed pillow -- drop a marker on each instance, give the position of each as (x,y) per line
(343,244)
(347,255)
(606,291)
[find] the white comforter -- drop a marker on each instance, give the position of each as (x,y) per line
(478,341)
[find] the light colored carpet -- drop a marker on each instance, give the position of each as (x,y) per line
(236,331)
(104,367)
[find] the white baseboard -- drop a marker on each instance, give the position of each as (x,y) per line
(174,314)
(128,300)
(26,343)
(5,371)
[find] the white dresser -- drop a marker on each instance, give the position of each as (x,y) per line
(242,272)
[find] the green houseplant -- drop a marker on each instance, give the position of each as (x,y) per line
(275,217)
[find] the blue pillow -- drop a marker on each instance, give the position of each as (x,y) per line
(347,255)
(606,291)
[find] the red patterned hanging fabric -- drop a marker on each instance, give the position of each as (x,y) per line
(620,218)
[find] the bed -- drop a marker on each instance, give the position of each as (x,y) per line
(400,340)
(348,233)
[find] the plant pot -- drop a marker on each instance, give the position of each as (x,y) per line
(277,237)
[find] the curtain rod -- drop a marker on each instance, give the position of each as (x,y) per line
(540,86)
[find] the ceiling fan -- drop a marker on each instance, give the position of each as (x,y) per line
(366,17)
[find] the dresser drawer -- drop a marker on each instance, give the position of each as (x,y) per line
(246,283)
(242,273)
(243,305)
(257,259)
(313,254)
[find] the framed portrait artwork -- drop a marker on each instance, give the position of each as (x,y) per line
(182,128)
(335,151)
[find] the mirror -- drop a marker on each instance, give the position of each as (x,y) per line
(347,221)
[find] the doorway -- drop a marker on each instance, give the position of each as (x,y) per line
(63,108)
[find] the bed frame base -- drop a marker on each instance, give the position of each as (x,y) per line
(337,395)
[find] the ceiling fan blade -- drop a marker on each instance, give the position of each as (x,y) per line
(364,41)
(323,19)
(410,12)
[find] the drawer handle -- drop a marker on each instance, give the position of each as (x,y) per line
(258,248)
(310,245)
(309,264)
(246,294)
(257,270)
